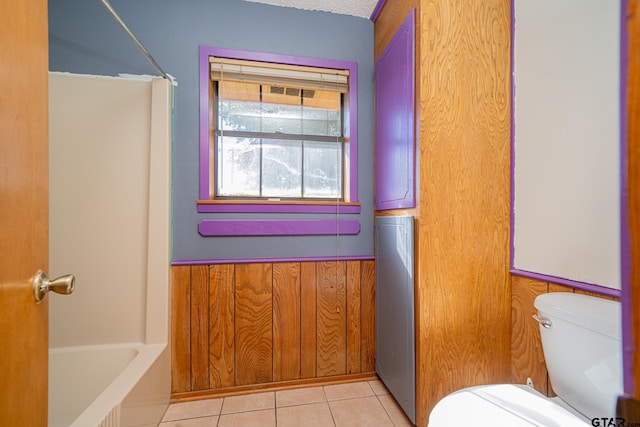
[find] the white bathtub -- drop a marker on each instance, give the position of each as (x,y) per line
(107,386)
(109,222)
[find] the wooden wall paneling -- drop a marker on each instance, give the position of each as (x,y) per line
(308,320)
(221,326)
(253,324)
(597,295)
(554,287)
(464,288)
(199,327)
(245,325)
(389,21)
(527,358)
(354,321)
(331,319)
(286,321)
(368,316)
(180,329)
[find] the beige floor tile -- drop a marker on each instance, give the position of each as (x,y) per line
(265,418)
(378,387)
(360,412)
(300,396)
(313,415)
(394,410)
(249,402)
(348,391)
(192,422)
(198,408)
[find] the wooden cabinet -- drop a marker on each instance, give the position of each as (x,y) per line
(462,111)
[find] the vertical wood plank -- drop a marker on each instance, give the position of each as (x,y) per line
(464,61)
(308,321)
(253,324)
(554,287)
(199,327)
(595,294)
(527,358)
(221,331)
(180,329)
(332,340)
(353,318)
(286,321)
(368,316)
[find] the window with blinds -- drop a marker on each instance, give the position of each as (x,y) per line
(277,130)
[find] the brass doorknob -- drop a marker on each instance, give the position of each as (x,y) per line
(62,285)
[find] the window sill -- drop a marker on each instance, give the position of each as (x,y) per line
(277,206)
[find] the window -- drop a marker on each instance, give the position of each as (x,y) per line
(277,131)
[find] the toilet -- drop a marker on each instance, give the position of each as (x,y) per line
(581,340)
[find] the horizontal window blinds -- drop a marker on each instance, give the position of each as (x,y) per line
(278,74)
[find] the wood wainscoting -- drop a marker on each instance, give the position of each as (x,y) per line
(527,358)
(243,326)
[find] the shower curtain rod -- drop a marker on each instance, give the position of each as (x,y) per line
(135,40)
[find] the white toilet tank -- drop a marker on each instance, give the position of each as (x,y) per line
(583,350)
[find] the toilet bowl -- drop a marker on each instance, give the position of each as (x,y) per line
(581,340)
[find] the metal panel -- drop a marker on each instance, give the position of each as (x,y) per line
(395,337)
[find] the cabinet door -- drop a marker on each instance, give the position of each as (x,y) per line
(394,120)
(395,330)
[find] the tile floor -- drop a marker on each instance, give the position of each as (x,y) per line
(359,404)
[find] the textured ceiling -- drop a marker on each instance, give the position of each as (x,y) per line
(361,8)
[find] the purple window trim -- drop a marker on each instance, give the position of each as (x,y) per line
(277,208)
(351,151)
(278,227)
(377,10)
(568,282)
(187,262)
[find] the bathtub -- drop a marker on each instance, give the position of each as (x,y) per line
(106,385)
(109,225)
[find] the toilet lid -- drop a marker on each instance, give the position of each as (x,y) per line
(506,405)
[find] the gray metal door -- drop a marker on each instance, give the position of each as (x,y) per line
(395,338)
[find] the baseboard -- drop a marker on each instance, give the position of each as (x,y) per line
(274,386)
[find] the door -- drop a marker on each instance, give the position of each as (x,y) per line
(23,211)
(395,329)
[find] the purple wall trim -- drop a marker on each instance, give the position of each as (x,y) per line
(277,227)
(278,208)
(513,134)
(628,345)
(377,10)
(352,105)
(568,282)
(269,260)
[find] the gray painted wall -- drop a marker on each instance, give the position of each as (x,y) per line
(85,39)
